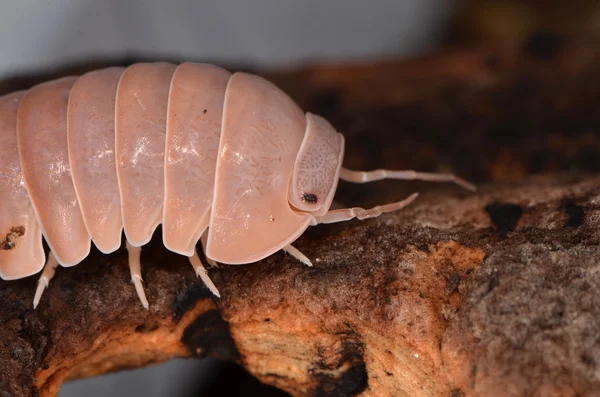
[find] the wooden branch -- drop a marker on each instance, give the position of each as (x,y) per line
(487,294)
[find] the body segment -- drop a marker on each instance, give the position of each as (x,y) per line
(140,130)
(23,253)
(194,117)
(44,156)
(91,133)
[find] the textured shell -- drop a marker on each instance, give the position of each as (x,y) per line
(125,149)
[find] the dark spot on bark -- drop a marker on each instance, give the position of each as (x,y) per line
(267,320)
(209,335)
(493,282)
(352,382)
(409,272)
(543,45)
(187,299)
(35,392)
(453,280)
(504,216)
(327,102)
(575,214)
(204,111)
(588,359)
(146,328)
(272,375)
(423,247)
(389,373)
(457,393)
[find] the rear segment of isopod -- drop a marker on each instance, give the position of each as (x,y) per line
(193,132)
(91,132)
(21,250)
(43,151)
(141,113)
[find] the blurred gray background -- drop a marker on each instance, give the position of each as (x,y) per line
(38,34)
(41,35)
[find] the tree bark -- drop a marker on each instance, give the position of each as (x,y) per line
(460,294)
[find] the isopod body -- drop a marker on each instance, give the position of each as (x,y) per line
(225,159)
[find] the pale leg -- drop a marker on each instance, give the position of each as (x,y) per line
(203,240)
(203,274)
(409,175)
(293,251)
(44,281)
(135,268)
(361,213)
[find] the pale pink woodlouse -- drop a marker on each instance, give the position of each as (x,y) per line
(227,159)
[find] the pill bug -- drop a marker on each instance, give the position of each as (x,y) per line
(225,159)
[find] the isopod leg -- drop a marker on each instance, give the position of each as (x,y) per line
(346,214)
(409,175)
(135,269)
(203,274)
(203,241)
(44,281)
(293,251)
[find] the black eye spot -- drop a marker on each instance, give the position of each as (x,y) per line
(310,198)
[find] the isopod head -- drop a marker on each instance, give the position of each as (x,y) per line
(317,167)
(277,169)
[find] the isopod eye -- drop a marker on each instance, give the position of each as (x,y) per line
(310,198)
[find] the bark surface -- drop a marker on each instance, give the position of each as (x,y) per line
(486,294)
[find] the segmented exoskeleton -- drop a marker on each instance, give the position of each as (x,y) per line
(228,159)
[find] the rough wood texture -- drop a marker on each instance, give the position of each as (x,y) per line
(487,294)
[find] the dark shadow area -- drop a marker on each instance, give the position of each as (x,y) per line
(231,380)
